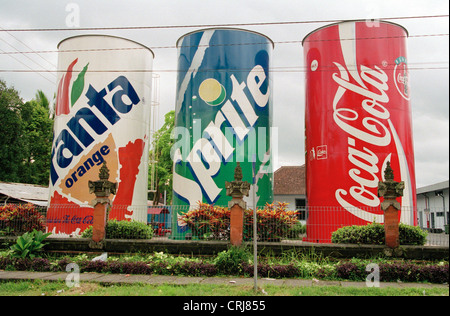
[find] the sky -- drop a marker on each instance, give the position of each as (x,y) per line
(428,51)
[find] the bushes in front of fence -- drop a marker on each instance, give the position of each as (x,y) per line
(373,234)
(18,219)
(123,230)
(208,221)
(275,221)
(231,261)
(161,264)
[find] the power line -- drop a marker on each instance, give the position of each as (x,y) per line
(32,51)
(39,72)
(286,69)
(210,25)
(28,57)
(211,45)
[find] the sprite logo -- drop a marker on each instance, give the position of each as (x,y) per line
(212,92)
(203,155)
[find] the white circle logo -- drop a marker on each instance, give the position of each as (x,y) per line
(314,65)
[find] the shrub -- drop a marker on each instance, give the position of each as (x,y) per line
(231,260)
(350,271)
(209,222)
(274,222)
(18,219)
(412,235)
(29,244)
(123,230)
(40,264)
(213,222)
(195,268)
(373,234)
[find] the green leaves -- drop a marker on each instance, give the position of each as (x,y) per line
(123,230)
(78,86)
(28,244)
(374,234)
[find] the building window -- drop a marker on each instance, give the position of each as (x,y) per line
(300,207)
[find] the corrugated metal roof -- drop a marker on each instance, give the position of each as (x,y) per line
(25,192)
(433,187)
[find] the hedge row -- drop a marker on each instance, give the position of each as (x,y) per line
(389,272)
(123,230)
(373,234)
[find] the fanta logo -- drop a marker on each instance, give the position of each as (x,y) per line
(74,138)
(62,99)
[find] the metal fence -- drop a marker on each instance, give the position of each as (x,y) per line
(203,222)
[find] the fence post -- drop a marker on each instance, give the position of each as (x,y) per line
(390,190)
(102,189)
(237,189)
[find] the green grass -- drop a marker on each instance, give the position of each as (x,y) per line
(48,288)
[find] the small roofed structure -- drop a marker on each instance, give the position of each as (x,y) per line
(289,185)
(159,219)
(20,193)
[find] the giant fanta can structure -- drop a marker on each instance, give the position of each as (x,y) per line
(357,118)
(223,116)
(102,113)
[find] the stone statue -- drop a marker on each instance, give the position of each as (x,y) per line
(390,189)
(237,188)
(103,187)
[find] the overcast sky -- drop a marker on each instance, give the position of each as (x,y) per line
(429,84)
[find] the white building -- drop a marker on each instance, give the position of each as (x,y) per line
(432,206)
(289,186)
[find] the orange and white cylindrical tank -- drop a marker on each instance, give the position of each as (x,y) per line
(102,113)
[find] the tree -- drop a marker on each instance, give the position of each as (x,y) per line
(25,137)
(38,134)
(12,141)
(161,154)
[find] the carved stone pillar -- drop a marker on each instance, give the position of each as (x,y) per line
(102,189)
(237,189)
(390,190)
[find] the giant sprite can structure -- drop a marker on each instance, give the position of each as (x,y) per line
(357,117)
(223,116)
(102,114)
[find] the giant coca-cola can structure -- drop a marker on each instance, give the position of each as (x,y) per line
(357,118)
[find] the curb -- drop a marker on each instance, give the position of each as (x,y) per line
(180,280)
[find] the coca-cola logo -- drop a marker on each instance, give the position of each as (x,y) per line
(363,132)
(367,126)
(401,77)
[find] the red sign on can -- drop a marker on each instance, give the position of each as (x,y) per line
(357,118)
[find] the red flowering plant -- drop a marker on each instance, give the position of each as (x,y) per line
(19,219)
(208,221)
(274,222)
(213,222)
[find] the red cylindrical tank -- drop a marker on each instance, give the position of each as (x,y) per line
(357,117)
